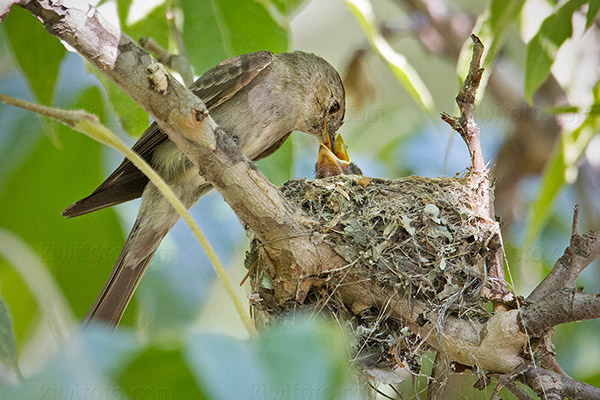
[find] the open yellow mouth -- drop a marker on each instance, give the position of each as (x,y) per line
(334,162)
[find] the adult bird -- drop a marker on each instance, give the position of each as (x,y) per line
(258,99)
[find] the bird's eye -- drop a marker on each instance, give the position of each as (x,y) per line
(335,107)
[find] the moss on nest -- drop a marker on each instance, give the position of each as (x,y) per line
(426,238)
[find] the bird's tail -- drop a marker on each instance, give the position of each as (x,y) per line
(155,218)
(124,279)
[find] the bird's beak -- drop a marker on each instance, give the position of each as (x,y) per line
(341,151)
(330,164)
(328,136)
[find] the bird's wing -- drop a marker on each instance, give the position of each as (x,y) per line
(216,86)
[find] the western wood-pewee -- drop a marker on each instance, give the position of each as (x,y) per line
(257,98)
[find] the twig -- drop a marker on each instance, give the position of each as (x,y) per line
(183,63)
(553,386)
(176,62)
(582,250)
(465,124)
(575,224)
(67,117)
(517,391)
(560,307)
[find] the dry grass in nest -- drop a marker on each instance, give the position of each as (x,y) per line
(425,240)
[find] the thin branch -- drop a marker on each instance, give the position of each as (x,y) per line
(517,391)
(67,117)
(553,386)
(177,62)
(566,305)
(465,124)
(182,64)
(581,252)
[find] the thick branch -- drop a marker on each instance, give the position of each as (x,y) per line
(492,346)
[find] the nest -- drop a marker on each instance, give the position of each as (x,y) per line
(424,240)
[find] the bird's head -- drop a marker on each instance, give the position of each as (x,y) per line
(323,95)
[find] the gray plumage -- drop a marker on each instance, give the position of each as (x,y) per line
(259,99)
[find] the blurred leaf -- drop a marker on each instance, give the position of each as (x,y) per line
(123,7)
(500,16)
(404,72)
(49,297)
(593,110)
(542,49)
(219,29)
(309,354)
(562,168)
(503,13)
(279,167)
(154,24)
(593,7)
(159,373)
(79,252)
(217,360)
(132,117)
(8,348)
(84,367)
(38,53)
(287,7)
(300,356)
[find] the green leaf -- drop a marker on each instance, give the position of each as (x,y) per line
(8,348)
(404,72)
(300,356)
(38,53)
(502,14)
(154,25)
(35,275)
(219,29)
(133,118)
(542,49)
(287,7)
(279,167)
(593,7)
(159,373)
(562,168)
(123,7)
